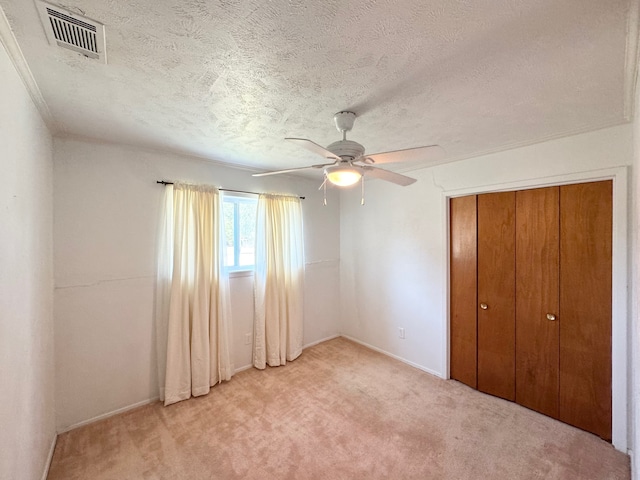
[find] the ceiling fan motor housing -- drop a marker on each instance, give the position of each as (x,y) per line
(344,121)
(346,149)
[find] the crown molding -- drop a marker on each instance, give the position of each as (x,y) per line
(8,40)
(631,60)
(517,145)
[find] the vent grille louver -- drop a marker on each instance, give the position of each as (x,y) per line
(71,31)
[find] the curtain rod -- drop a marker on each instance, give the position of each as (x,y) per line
(162,182)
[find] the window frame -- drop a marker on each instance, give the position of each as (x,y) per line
(237,198)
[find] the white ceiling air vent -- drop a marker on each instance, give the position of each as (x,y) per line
(75,32)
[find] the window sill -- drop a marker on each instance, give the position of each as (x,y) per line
(241,273)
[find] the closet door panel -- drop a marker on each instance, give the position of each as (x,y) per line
(496,292)
(537,332)
(585,306)
(463,292)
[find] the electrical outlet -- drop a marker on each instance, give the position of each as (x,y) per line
(247,339)
(401,332)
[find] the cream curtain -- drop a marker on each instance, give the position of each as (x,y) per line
(193,318)
(279,281)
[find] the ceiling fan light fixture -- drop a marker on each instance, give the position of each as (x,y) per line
(343,176)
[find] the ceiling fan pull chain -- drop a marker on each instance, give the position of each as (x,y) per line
(362,182)
(324,185)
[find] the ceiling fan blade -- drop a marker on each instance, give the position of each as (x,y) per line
(313,147)
(278,172)
(392,177)
(428,153)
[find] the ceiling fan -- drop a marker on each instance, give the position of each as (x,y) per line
(350,163)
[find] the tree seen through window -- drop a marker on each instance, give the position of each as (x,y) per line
(240,232)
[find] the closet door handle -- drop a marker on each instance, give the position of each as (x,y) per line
(484,306)
(551,316)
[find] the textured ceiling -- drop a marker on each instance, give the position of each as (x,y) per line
(228,80)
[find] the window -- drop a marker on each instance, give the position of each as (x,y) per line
(240,232)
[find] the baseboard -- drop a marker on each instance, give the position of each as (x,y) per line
(388,354)
(247,367)
(108,414)
(331,337)
(242,369)
(47,464)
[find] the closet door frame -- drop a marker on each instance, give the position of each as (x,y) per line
(619,296)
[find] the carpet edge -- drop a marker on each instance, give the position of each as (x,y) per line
(396,357)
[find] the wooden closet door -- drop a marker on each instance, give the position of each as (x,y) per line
(496,292)
(537,326)
(463,290)
(585,306)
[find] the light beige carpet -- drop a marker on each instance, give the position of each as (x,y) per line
(340,411)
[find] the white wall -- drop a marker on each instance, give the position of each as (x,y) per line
(107,207)
(27,429)
(393,251)
(634,337)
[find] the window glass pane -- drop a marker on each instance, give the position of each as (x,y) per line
(247,238)
(228,208)
(239,216)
